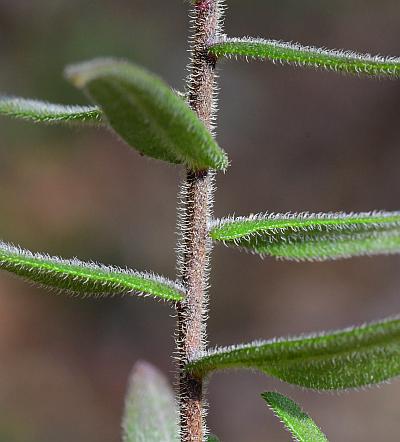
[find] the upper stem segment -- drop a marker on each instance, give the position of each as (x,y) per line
(196,198)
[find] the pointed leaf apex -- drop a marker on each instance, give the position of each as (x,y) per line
(299,423)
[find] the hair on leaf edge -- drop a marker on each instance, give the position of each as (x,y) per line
(49,113)
(148,114)
(311,236)
(348,62)
(85,278)
(325,361)
(294,419)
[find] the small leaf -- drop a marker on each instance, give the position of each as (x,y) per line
(85,279)
(43,112)
(212,438)
(310,236)
(147,114)
(150,410)
(308,56)
(293,417)
(350,358)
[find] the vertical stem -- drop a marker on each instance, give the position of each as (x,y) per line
(191,336)
(196,201)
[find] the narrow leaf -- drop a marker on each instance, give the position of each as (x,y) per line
(43,112)
(148,114)
(150,409)
(308,56)
(350,358)
(82,278)
(310,236)
(294,418)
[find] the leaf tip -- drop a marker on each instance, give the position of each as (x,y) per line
(143,368)
(80,73)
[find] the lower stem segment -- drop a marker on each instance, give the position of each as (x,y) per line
(191,339)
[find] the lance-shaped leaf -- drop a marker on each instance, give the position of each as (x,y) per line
(296,421)
(150,409)
(333,361)
(43,112)
(310,236)
(148,114)
(308,56)
(80,278)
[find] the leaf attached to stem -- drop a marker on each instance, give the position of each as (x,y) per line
(310,236)
(347,62)
(350,358)
(148,114)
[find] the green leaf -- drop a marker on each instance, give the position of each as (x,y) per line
(212,438)
(148,114)
(294,418)
(85,279)
(43,112)
(308,56)
(310,236)
(349,358)
(150,410)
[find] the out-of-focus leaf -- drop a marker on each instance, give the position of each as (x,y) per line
(148,114)
(348,62)
(212,438)
(310,236)
(293,417)
(350,358)
(43,112)
(86,279)
(150,410)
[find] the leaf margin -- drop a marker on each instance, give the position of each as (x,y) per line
(282,406)
(269,234)
(244,356)
(106,280)
(38,111)
(277,51)
(144,377)
(204,153)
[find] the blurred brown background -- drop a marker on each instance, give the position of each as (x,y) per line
(298,140)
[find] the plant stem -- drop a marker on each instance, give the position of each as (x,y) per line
(196,199)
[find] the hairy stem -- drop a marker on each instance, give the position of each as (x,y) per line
(196,207)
